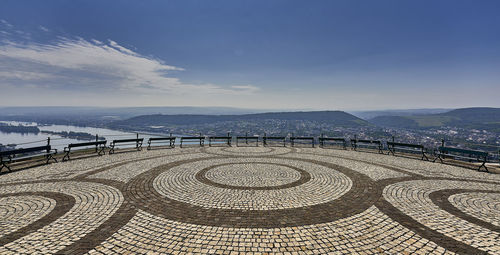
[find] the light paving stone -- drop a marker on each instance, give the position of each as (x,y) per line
(20,211)
(413,199)
(484,206)
(126,172)
(94,204)
(374,172)
(249,200)
(370,232)
(180,183)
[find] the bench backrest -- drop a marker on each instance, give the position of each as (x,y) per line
(192,138)
(464,151)
(332,139)
(25,150)
(161,138)
(365,141)
(405,145)
(301,138)
(86,144)
(128,140)
(220,137)
(250,137)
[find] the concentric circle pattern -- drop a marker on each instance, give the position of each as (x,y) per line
(180,184)
(249,200)
(484,206)
(20,211)
(253,175)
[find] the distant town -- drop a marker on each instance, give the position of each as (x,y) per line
(474,128)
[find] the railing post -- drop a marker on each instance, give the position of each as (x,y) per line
(137,142)
(96,139)
(48,143)
(442,142)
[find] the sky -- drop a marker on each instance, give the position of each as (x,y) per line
(317,55)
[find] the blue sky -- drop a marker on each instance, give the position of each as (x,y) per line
(347,55)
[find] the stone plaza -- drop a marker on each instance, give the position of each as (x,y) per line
(249,200)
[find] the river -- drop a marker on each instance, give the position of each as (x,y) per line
(58,142)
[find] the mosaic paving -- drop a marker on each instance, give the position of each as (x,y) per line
(249,200)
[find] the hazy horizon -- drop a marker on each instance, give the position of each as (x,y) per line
(281,55)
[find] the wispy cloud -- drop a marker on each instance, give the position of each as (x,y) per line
(5,23)
(44,29)
(79,64)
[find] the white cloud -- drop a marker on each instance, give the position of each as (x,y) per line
(5,23)
(44,29)
(78,64)
(26,76)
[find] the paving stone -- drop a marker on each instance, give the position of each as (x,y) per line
(249,200)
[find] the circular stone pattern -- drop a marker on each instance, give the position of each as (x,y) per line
(253,176)
(20,211)
(484,206)
(248,151)
(181,183)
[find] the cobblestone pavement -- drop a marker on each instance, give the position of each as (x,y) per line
(249,200)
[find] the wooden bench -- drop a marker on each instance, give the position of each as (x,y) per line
(136,141)
(479,156)
(226,139)
(99,148)
(301,138)
(412,148)
(168,141)
(279,139)
(334,140)
(7,157)
(363,143)
(247,138)
(200,138)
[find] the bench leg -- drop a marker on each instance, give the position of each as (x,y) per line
(424,156)
(438,157)
(483,165)
(49,157)
(391,151)
(101,151)
(6,166)
(111,150)
(66,156)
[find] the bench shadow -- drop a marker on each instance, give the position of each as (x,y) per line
(219,145)
(24,166)
(81,156)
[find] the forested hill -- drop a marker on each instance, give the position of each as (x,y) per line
(480,118)
(338,118)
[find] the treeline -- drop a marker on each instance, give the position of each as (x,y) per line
(74,135)
(19,129)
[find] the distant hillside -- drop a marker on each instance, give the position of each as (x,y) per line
(398,112)
(479,118)
(337,118)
